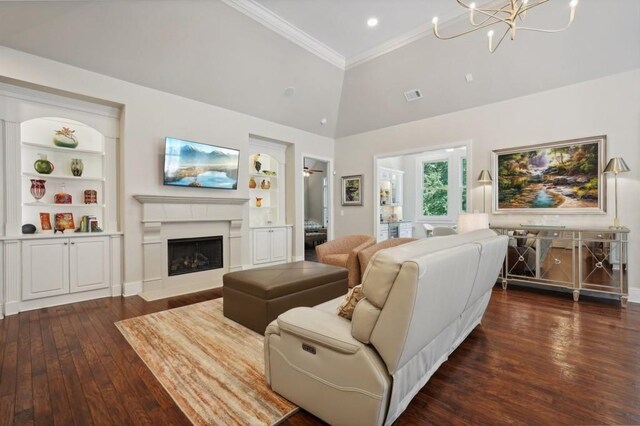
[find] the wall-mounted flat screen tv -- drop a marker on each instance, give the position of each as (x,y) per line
(200,165)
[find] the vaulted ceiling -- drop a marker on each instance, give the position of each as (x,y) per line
(217,52)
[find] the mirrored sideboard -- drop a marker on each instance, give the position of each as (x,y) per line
(579,259)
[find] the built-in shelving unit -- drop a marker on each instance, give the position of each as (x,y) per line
(270,236)
(44,268)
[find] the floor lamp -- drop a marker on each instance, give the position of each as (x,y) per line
(484,179)
(616,165)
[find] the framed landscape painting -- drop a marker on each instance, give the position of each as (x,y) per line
(352,190)
(553,178)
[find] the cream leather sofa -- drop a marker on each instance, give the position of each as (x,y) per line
(421,301)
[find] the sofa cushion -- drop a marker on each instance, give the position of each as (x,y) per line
(364,319)
(336,259)
(350,301)
(385,265)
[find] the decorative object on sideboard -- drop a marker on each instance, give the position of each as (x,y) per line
(352,187)
(65,138)
(265,184)
(616,165)
(252,183)
(28,228)
(484,178)
(38,189)
(63,221)
(269,172)
(553,178)
(506,12)
(258,201)
(45,221)
(90,196)
(62,197)
(42,165)
(77,166)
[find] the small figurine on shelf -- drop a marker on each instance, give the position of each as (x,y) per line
(65,138)
(252,183)
(258,201)
(265,184)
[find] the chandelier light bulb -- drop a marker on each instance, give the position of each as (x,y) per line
(490,34)
(473,6)
(573,3)
(434,21)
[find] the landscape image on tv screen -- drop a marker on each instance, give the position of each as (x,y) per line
(199,165)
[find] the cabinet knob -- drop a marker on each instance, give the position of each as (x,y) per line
(73,244)
(66,244)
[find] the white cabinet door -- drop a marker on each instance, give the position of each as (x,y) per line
(278,244)
(89,263)
(383,232)
(45,268)
(261,245)
(405,230)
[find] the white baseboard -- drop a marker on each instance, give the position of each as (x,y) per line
(132,288)
(116,290)
(11,308)
(297,258)
(634,295)
(163,293)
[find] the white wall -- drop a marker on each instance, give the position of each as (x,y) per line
(609,106)
(150,115)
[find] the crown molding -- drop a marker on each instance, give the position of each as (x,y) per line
(292,33)
(422,31)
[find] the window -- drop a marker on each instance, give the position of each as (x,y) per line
(442,183)
(435,184)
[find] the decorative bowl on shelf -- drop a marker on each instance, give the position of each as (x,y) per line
(65,138)
(38,189)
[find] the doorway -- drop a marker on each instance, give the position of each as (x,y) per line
(316,205)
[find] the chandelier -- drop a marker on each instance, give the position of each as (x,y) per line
(508,14)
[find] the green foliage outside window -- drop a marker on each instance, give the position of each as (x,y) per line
(435,186)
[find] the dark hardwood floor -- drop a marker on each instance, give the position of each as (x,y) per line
(538,358)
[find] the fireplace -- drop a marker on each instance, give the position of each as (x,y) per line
(188,255)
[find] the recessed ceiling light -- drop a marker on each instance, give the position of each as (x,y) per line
(372,22)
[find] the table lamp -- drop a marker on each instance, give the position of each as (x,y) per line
(616,165)
(484,179)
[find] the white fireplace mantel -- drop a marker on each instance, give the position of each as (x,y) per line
(176,199)
(161,213)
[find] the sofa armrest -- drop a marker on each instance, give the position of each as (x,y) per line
(324,328)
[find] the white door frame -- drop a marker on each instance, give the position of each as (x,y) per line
(330,180)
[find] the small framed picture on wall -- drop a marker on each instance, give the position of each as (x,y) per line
(352,187)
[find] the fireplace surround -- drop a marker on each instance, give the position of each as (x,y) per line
(166,218)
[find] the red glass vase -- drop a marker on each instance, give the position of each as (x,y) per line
(38,189)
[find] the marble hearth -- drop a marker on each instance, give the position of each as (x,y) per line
(171,217)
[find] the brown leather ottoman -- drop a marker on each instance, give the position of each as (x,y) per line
(256,297)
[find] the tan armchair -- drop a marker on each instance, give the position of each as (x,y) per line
(365,255)
(344,252)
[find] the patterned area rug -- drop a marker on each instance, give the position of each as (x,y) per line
(212,367)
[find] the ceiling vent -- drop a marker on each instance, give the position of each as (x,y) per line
(413,95)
